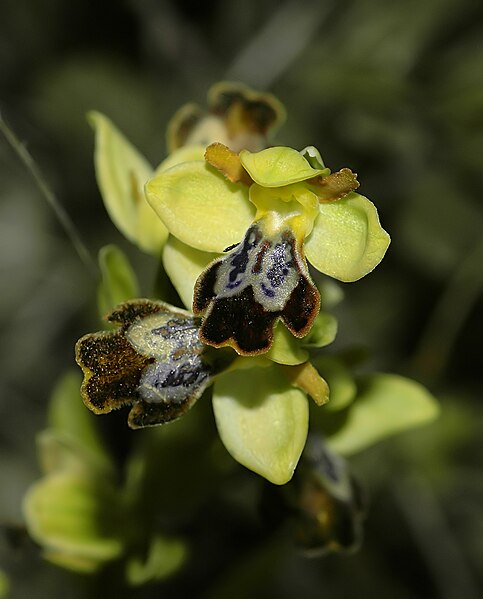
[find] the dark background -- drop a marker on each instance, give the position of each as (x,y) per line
(393,90)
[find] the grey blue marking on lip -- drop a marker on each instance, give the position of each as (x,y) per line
(243,294)
(153,362)
(239,258)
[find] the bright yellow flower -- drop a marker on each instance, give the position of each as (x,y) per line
(269,210)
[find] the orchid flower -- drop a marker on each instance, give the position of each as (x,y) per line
(267,212)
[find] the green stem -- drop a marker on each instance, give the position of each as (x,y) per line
(64,219)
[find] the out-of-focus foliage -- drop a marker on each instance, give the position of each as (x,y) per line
(393,90)
(77,512)
(118,280)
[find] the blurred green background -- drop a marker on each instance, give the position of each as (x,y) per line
(393,90)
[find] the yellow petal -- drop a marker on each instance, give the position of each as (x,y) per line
(347,240)
(121,173)
(183,265)
(386,404)
(151,233)
(313,157)
(262,421)
(200,207)
(278,166)
(286,348)
(184,154)
(76,516)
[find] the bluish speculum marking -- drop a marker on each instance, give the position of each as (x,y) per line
(179,370)
(281,264)
(163,382)
(267,292)
(267,264)
(162,335)
(240,258)
(243,294)
(153,362)
(174,328)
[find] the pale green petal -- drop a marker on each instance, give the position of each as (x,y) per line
(72,443)
(121,173)
(75,516)
(323,331)
(183,265)
(200,207)
(118,279)
(68,415)
(278,166)
(313,157)
(347,240)
(386,404)
(74,562)
(60,452)
(151,233)
(331,293)
(164,557)
(262,421)
(116,162)
(286,348)
(184,154)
